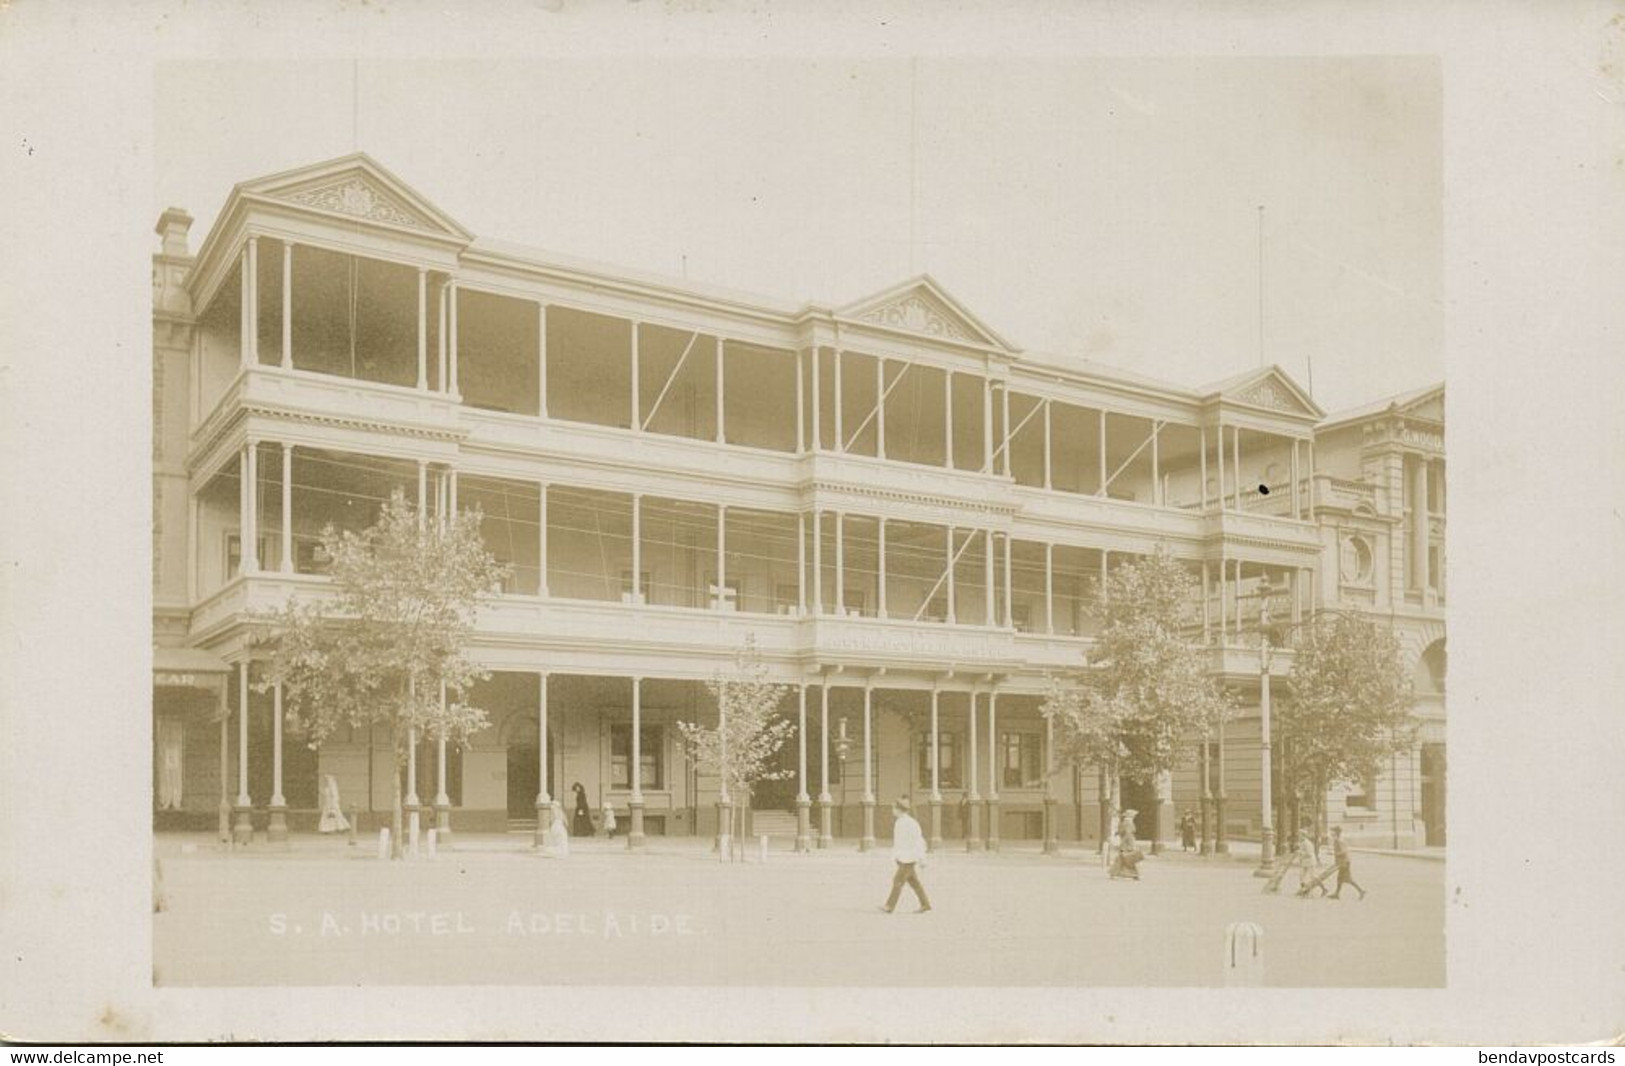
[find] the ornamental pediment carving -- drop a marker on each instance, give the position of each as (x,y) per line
(922,307)
(356,186)
(1270,390)
(916,314)
(1268,394)
(354,194)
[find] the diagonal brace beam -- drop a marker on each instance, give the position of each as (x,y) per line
(1011,434)
(944,575)
(1156,427)
(671,378)
(873,411)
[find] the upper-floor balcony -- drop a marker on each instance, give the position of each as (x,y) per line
(587,632)
(400,349)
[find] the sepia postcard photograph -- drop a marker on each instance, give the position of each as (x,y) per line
(536,615)
(628,530)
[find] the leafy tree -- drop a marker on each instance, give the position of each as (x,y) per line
(1146,696)
(742,748)
(404,596)
(1349,707)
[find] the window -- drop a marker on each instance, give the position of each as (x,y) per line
(651,749)
(309,557)
(1021,760)
(1362,796)
(234,553)
(947,760)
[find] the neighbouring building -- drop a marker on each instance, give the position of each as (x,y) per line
(905,511)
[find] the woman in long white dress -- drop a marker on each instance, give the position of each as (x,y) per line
(556,841)
(333,820)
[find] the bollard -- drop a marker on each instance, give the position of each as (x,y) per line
(762,848)
(355,824)
(433,840)
(1243,955)
(383,843)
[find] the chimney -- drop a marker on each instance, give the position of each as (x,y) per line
(172,226)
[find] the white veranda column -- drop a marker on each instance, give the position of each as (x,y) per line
(423,327)
(880,407)
(840,423)
(541,533)
(541,360)
(1009,587)
(451,344)
(637,548)
(287,508)
(243,831)
(818,562)
(987,577)
(242,735)
(801,563)
(803,801)
(1049,587)
(277,799)
(973,826)
(251,532)
(935,840)
(722,558)
(722,407)
(840,563)
(634,837)
(825,836)
(881,577)
(868,840)
(253,301)
(287,305)
(992,769)
(543,797)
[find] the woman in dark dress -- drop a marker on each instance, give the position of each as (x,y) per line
(581,823)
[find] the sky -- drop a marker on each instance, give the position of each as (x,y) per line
(1104,209)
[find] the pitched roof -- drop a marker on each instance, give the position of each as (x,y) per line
(1404,401)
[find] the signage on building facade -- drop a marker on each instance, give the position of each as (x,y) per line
(1422,438)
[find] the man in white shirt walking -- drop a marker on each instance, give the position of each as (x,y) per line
(908,851)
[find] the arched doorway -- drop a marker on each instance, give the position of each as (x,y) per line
(519,736)
(1429,685)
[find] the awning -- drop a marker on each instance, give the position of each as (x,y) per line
(188,668)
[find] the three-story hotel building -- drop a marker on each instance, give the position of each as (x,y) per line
(906,513)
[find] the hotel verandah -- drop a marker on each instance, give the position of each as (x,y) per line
(906,512)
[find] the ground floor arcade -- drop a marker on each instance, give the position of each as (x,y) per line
(974,760)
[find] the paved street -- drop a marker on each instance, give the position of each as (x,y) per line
(492,912)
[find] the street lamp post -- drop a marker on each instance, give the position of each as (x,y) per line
(843,749)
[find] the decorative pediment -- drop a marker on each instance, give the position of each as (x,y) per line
(1428,407)
(1267,394)
(921,306)
(1269,388)
(357,187)
(355,195)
